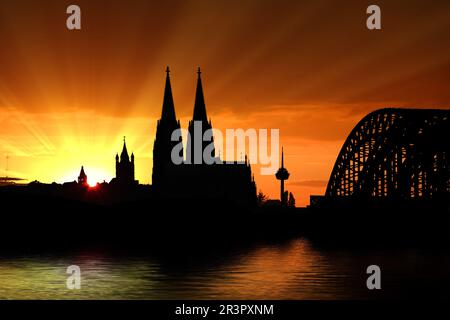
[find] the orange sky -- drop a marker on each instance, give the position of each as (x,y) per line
(308,68)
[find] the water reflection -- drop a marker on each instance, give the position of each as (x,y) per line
(292,270)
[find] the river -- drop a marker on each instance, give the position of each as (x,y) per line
(294,269)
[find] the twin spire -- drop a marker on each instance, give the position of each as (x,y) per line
(168,109)
(164,145)
(199,106)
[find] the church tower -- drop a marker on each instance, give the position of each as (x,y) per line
(82,178)
(162,149)
(125,166)
(197,128)
(196,177)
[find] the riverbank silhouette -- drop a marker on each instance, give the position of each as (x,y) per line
(32,217)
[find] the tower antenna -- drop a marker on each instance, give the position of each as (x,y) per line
(282,175)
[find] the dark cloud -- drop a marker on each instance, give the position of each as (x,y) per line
(256,54)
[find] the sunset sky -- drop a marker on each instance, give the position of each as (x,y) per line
(309,68)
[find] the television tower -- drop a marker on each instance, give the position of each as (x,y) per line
(282,175)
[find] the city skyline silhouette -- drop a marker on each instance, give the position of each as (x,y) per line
(264,71)
(216,149)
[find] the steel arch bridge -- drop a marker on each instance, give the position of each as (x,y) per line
(395,153)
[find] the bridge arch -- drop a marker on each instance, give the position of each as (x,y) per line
(400,153)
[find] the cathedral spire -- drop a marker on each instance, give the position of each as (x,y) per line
(124,154)
(199,106)
(168,109)
(194,152)
(82,178)
(82,173)
(163,145)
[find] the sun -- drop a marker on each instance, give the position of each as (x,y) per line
(94,176)
(92,183)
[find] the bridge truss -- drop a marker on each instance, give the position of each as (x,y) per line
(399,153)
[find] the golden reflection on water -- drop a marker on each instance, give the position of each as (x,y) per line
(102,278)
(293,270)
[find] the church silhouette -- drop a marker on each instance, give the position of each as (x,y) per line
(230,182)
(124,168)
(225,183)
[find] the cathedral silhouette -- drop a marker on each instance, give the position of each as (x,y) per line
(230,182)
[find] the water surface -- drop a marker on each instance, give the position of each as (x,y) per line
(294,269)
